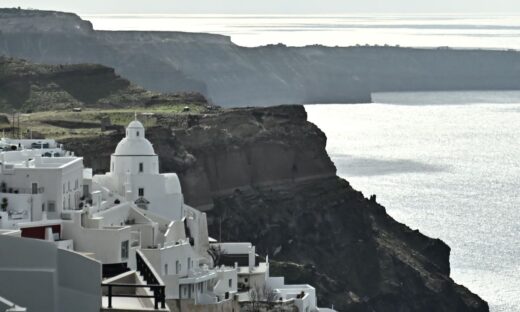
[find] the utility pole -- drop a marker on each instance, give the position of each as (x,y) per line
(12,125)
(220,229)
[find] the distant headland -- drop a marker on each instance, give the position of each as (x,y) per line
(230,75)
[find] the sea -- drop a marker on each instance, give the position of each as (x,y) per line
(446,163)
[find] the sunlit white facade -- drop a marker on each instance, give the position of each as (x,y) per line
(130,225)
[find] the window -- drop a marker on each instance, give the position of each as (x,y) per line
(68,182)
(141,192)
(177,267)
(76,184)
(137,133)
(51,206)
(124,249)
(141,166)
(230,283)
(35,188)
(166,269)
(63,188)
(189,263)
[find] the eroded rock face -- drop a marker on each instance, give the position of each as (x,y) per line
(358,257)
(271,182)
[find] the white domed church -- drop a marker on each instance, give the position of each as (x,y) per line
(134,174)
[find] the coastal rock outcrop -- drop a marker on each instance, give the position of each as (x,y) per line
(264,176)
(230,75)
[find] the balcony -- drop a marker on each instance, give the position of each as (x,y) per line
(198,275)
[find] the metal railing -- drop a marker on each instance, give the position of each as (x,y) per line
(153,282)
(158,293)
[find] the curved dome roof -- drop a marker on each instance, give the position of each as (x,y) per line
(135,147)
(135,124)
(135,143)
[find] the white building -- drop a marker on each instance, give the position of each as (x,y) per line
(33,187)
(47,147)
(38,275)
(131,222)
(134,174)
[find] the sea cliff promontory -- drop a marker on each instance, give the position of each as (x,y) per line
(263,174)
(230,75)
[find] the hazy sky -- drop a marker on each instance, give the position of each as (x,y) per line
(269,6)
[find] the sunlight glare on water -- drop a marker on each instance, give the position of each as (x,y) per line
(497,31)
(449,170)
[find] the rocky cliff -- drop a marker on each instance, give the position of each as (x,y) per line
(267,178)
(26,86)
(230,75)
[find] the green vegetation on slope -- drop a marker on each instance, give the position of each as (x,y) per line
(28,87)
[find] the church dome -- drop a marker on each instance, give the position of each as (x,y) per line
(135,124)
(135,143)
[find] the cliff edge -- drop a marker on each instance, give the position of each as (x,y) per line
(263,175)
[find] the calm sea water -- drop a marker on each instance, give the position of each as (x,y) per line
(447,164)
(412,30)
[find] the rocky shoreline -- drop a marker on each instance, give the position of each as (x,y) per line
(263,175)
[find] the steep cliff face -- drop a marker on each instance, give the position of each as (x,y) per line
(26,86)
(230,75)
(270,181)
(25,21)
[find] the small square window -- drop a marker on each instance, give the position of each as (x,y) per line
(141,192)
(141,167)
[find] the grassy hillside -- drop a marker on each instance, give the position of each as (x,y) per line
(28,87)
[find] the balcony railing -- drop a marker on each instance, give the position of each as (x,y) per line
(158,293)
(153,282)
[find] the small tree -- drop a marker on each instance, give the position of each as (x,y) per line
(270,296)
(261,298)
(216,253)
(254,300)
